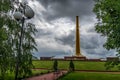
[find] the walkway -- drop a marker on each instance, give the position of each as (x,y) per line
(54,76)
(49,76)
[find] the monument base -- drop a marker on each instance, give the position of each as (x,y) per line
(75,58)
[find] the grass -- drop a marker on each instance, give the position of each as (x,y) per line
(90,76)
(43,64)
(10,76)
(38,72)
(79,65)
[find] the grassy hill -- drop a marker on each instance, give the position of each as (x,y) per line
(79,65)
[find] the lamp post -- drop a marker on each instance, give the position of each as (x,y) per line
(22,13)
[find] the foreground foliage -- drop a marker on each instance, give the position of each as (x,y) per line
(10,31)
(108,15)
(6,55)
(10,76)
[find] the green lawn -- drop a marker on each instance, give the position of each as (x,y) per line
(10,76)
(90,76)
(79,65)
(43,64)
(34,72)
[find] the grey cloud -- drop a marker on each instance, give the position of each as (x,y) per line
(90,44)
(50,54)
(100,52)
(67,39)
(67,8)
(91,30)
(42,33)
(89,41)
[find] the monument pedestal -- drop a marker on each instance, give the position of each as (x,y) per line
(75,58)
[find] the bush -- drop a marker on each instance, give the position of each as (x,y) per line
(71,66)
(55,65)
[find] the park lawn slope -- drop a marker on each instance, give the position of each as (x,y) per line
(90,76)
(79,65)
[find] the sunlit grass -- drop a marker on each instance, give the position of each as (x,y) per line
(10,76)
(90,76)
(79,65)
(34,72)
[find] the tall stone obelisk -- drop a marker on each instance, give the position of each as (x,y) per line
(77,37)
(78,55)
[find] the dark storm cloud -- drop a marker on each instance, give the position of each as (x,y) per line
(50,53)
(100,52)
(89,41)
(92,29)
(42,33)
(67,39)
(67,8)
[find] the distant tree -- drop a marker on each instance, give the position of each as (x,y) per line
(55,65)
(108,15)
(71,66)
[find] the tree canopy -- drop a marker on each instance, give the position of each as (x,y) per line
(10,31)
(108,16)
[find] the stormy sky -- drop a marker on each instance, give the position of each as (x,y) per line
(55,22)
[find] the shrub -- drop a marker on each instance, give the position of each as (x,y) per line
(71,66)
(55,65)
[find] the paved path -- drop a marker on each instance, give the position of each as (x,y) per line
(49,76)
(54,76)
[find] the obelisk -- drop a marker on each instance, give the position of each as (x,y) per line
(77,37)
(78,55)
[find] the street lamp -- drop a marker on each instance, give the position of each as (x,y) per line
(21,14)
